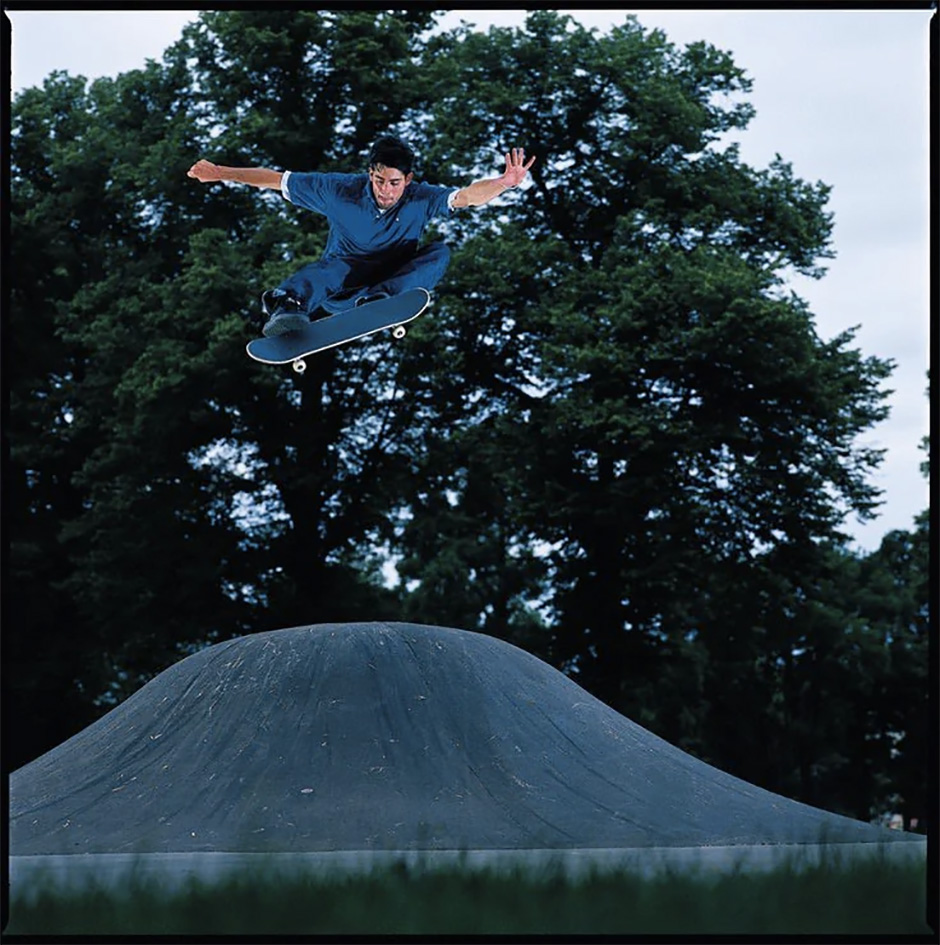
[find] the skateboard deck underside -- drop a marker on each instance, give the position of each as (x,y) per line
(338,329)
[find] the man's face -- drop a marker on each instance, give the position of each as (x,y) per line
(388,184)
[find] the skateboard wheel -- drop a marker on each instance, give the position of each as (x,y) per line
(399,331)
(300,365)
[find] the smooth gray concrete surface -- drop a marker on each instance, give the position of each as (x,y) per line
(385,737)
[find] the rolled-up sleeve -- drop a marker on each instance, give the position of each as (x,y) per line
(307,189)
(438,200)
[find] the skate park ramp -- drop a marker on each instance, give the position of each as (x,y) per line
(336,738)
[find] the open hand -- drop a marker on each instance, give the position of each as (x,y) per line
(204,171)
(516,168)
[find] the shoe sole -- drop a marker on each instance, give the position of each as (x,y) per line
(293,321)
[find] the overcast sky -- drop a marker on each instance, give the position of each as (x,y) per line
(842,95)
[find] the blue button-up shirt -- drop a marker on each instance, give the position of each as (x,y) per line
(358,228)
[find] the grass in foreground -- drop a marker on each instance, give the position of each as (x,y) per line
(873,897)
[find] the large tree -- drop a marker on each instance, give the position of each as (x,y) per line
(169,492)
(621,370)
(616,437)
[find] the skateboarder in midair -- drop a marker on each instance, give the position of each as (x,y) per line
(375,223)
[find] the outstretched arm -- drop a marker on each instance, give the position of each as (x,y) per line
(483,191)
(206,172)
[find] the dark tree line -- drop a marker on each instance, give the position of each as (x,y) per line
(616,440)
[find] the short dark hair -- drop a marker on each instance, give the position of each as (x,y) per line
(389,151)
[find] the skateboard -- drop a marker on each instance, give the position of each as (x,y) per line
(294,346)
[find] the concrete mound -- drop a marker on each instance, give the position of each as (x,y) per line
(384,736)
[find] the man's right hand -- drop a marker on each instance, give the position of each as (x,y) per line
(205,171)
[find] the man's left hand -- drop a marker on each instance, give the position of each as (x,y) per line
(516,167)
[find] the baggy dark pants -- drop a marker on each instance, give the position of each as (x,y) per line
(336,282)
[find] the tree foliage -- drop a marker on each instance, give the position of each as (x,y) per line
(617,439)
